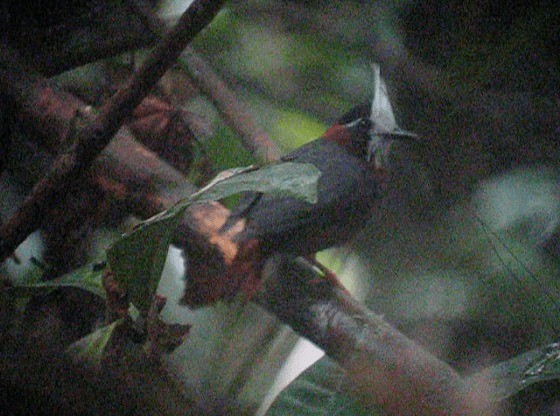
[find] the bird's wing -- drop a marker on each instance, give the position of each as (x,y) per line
(343,189)
(250,199)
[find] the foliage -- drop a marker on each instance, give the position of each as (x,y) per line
(512,376)
(91,348)
(87,278)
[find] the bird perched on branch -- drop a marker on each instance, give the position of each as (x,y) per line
(352,156)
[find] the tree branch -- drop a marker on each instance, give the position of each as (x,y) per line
(91,140)
(233,111)
(384,366)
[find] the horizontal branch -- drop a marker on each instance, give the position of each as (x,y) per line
(385,367)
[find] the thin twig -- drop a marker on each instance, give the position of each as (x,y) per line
(233,110)
(90,141)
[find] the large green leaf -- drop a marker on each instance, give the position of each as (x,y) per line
(298,180)
(138,258)
(86,278)
(319,391)
(516,374)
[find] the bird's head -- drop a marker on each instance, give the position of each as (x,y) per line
(369,129)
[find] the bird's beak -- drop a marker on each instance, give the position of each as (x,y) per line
(403,135)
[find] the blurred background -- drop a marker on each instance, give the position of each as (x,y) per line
(462,255)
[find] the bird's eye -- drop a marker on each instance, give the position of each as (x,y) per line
(365,123)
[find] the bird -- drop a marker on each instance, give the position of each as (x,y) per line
(353,159)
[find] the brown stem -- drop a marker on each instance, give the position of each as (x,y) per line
(233,110)
(91,140)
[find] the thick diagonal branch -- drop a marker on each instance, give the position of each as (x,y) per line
(90,141)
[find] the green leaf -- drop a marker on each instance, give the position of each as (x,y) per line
(86,278)
(319,391)
(298,180)
(90,349)
(137,259)
(512,376)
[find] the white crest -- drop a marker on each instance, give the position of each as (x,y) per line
(385,128)
(382,114)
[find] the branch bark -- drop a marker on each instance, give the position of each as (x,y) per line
(233,111)
(383,365)
(91,140)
